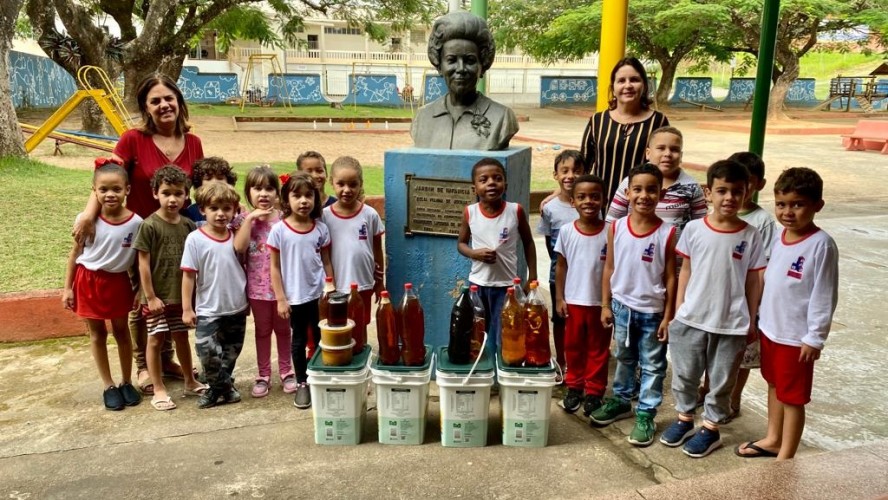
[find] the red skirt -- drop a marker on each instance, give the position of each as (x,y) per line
(102,295)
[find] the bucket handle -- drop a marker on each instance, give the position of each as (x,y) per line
(480,353)
(560,377)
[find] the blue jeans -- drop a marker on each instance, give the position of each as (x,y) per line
(493,298)
(635,334)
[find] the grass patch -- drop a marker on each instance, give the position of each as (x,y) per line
(300,111)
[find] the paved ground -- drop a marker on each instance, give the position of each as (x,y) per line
(57,442)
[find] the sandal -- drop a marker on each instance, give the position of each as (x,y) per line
(197,392)
(759,451)
(163,404)
(145,384)
(260,388)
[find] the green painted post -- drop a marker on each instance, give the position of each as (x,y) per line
(479,8)
(767,42)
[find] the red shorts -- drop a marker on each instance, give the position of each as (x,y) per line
(102,295)
(781,368)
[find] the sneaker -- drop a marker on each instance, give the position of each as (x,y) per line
(260,388)
(303,397)
(231,397)
(590,404)
(677,433)
(131,396)
(113,399)
(290,384)
(613,409)
(573,398)
(643,432)
(208,399)
(704,442)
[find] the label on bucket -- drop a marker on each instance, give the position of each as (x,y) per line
(402,413)
(464,432)
(401,430)
(525,404)
(525,415)
(337,402)
(533,433)
(337,430)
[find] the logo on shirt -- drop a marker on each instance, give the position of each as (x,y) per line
(320,244)
(362,232)
(739,250)
(795,269)
(128,241)
(603,254)
(504,235)
(647,255)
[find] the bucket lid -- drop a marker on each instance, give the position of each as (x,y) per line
(350,324)
(358,362)
(337,347)
(546,371)
(401,368)
(485,364)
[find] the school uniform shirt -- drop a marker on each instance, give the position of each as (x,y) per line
(165,242)
(302,269)
(801,290)
(351,249)
(764,222)
(497,231)
(585,254)
(221,283)
(715,298)
(555,214)
(112,248)
(639,265)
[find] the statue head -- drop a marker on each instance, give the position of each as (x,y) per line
(462,26)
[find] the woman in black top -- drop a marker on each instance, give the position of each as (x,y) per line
(614,140)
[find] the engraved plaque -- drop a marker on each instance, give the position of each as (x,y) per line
(437,206)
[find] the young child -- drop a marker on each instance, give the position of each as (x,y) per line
(682,199)
(300,256)
(804,272)
(759,218)
(160,242)
(489,235)
(313,163)
(97,284)
(638,299)
(356,232)
(718,295)
(581,251)
(212,269)
(205,170)
(569,164)
(261,190)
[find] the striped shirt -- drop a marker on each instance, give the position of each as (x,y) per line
(612,148)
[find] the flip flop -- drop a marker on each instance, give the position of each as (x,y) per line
(759,451)
(146,386)
(196,392)
(163,404)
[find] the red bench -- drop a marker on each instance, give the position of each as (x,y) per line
(869,134)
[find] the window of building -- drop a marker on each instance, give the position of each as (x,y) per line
(418,37)
(396,44)
(313,42)
(333,30)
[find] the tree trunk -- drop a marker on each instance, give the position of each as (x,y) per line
(11,142)
(790,73)
(664,86)
(170,64)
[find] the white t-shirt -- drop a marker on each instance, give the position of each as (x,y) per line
(302,269)
(555,214)
(585,254)
(351,251)
(801,291)
(638,281)
(499,232)
(221,283)
(715,298)
(112,248)
(762,220)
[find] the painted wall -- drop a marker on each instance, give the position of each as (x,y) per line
(568,90)
(374,90)
(207,87)
(37,82)
(302,88)
(433,87)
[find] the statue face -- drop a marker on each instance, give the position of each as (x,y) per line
(460,66)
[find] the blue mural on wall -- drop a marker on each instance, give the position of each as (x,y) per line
(693,89)
(568,90)
(374,90)
(207,87)
(38,82)
(740,90)
(433,87)
(801,93)
(303,88)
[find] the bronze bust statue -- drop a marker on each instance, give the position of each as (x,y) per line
(462,49)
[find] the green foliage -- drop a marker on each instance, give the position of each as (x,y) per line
(242,22)
(23,28)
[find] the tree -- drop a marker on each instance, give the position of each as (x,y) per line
(665,32)
(10,134)
(157,35)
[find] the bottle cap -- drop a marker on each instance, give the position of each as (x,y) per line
(516,280)
(408,286)
(473,288)
(384,294)
(354,286)
(533,285)
(510,291)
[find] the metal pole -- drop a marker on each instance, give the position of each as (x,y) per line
(767,42)
(614,16)
(479,8)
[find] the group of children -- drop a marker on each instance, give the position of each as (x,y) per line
(207,268)
(663,270)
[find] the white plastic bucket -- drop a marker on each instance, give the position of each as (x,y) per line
(526,402)
(339,405)
(465,408)
(402,402)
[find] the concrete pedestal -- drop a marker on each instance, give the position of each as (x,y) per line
(432,262)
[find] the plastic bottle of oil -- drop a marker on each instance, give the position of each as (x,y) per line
(387,331)
(356,314)
(324,303)
(412,328)
(461,323)
(479,324)
(512,319)
(536,324)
